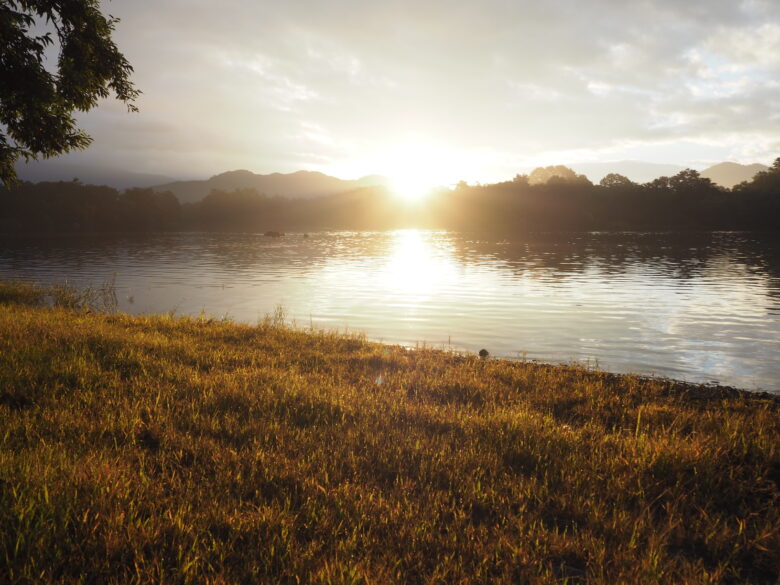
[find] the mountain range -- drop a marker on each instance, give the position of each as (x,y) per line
(728,174)
(637,171)
(37,171)
(307,184)
(301,184)
(725,174)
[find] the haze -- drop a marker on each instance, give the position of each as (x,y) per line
(475,91)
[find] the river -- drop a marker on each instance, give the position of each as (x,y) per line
(699,307)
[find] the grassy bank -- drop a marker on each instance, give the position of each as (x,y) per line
(159,449)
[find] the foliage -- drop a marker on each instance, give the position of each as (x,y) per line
(555,174)
(23,293)
(152,449)
(764,182)
(73,207)
(36,103)
(616,181)
(685,201)
(91,298)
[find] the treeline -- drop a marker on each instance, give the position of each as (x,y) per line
(550,198)
(368,208)
(73,207)
(565,201)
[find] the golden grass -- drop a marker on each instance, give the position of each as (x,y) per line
(179,450)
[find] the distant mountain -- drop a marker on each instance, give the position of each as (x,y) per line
(37,171)
(728,174)
(301,184)
(637,171)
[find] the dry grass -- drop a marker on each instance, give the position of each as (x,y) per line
(154,449)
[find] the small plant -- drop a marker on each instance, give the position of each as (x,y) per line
(22,293)
(278,318)
(102,298)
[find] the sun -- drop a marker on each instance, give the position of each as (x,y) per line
(415,169)
(411,185)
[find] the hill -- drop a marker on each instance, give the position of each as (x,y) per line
(728,174)
(637,171)
(301,184)
(38,171)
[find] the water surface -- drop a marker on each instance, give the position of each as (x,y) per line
(699,307)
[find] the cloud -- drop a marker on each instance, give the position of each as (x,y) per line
(276,85)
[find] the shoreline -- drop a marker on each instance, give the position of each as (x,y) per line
(199,450)
(103,297)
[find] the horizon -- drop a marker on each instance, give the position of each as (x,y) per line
(41,171)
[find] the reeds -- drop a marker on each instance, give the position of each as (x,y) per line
(100,298)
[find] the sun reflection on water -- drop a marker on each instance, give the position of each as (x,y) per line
(701,308)
(417,266)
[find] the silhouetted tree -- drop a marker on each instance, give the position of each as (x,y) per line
(37,104)
(60,207)
(758,201)
(615,180)
(148,210)
(520,179)
(689,181)
(659,184)
(555,173)
(766,181)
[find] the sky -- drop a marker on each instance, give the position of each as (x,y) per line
(454,90)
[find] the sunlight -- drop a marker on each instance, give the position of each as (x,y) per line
(417,267)
(409,268)
(415,169)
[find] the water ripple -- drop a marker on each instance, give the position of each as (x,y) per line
(701,307)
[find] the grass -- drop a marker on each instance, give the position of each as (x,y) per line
(182,450)
(92,298)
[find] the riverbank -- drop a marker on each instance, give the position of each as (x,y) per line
(148,449)
(703,308)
